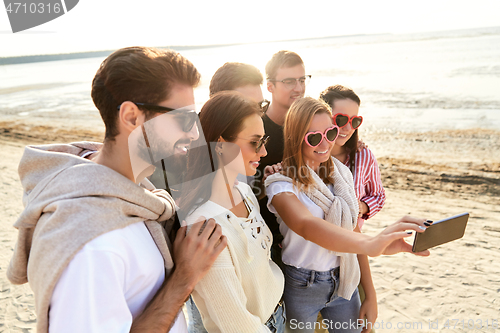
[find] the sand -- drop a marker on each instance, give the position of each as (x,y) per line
(432,175)
(17,310)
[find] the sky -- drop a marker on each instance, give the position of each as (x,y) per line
(111,24)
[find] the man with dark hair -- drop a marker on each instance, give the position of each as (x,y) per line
(90,242)
(237,76)
(286,81)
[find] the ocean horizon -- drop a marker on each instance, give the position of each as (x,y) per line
(23,59)
(10,60)
(406,82)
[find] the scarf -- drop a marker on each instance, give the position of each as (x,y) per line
(70,201)
(341,209)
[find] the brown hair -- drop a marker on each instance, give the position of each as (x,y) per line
(297,123)
(233,75)
(282,59)
(221,116)
(138,74)
(339,92)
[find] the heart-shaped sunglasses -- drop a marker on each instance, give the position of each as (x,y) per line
(314,139)
(341,119)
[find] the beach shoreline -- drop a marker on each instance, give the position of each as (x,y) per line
(433,175)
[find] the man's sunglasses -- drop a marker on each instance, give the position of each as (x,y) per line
(341,120)
(314,139)
(290,83)
(185,118)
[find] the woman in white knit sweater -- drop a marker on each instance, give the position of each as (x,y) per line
(316,206)
(242,291)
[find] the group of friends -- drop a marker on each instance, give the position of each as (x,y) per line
(249,211)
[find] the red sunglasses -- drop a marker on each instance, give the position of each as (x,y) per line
(341,119)
(314,139)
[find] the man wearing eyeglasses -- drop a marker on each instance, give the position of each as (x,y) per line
(90,240)
(286,81)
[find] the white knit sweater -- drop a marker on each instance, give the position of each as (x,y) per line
(243,287)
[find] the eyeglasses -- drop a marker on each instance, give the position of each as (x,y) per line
(186,118)
(290,83)
(341,120)
(259,143)
(314,139)
(264,105)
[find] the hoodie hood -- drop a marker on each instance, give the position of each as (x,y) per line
(69,201)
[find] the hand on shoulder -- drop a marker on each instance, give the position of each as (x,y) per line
(196,250)
(270,170)
(361,145)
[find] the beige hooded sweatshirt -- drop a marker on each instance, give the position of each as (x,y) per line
(69,201)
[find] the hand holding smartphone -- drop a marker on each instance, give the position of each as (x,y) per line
(441,232)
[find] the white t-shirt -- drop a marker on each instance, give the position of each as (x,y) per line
(108,283)
(298,251)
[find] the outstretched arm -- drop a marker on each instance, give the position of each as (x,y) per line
(194,253)
(390,241)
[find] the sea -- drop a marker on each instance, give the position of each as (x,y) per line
(407,82)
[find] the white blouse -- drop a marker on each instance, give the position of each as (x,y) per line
(298,251)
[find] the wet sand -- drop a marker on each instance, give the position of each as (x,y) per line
(432,175)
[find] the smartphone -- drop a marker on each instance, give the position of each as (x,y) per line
(441,232)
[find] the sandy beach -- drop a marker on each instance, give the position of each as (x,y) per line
(433,175)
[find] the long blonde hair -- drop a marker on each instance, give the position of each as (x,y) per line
(297,123)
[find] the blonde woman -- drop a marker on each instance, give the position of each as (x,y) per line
(314,200)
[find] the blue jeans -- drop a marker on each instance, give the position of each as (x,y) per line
(195,322)
(276,322)
(308,292)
